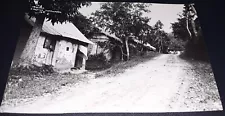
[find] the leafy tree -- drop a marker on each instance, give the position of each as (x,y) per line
(85,25)
(158,25)
(159,38)
(124,19)
(187,28)
(179,29)
(55,11)
(175,44)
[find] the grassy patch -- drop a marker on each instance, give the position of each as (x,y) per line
(203,84)
(29,83)
(120,67)
(204,71)
(193,56)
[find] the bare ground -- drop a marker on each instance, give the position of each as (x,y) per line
(163,84)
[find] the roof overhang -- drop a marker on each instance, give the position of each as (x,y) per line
(66,29)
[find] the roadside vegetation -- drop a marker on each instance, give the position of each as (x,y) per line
(202,88)
(98,62)
(188,30)
(120,67)
(26,83)
(203,85)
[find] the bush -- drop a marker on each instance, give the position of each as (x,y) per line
(96,62)
(16,71)
(100,57)
(196,51)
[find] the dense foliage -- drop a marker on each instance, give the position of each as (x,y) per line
(126,20)
(195,46)
(159,38)
(85,25)
(68,9)
(121,18)
(97,62)
(176,44)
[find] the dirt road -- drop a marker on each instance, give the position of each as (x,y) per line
(158,85)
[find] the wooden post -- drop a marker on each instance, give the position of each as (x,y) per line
(83,63)
(97,49)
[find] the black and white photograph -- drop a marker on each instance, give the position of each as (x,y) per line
(94,57)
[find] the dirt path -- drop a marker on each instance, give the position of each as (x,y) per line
(158,85)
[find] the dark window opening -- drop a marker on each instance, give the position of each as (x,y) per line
(49,44)
(67,48)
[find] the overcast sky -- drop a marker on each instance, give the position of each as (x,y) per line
(167,13)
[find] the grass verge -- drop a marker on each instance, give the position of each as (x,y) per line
(25,84)
(120,67)
(202,86)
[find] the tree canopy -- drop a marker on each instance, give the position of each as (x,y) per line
(124,19)
(68,9)
(188,29)
(121,18)
(186,22)
(85,25)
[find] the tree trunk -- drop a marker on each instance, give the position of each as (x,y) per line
(142,47)
(187,26)
(194,27)
(97,49)
(194,31)
(193,20)
(193,9)
(121,53)
(127,49)
(162,46)
(26,58)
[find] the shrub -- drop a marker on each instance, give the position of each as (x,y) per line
(17,72)
(196,51)
(97,61)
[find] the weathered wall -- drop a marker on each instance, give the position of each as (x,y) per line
(42,55)
(55,53)
(61,58)
(66,54)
